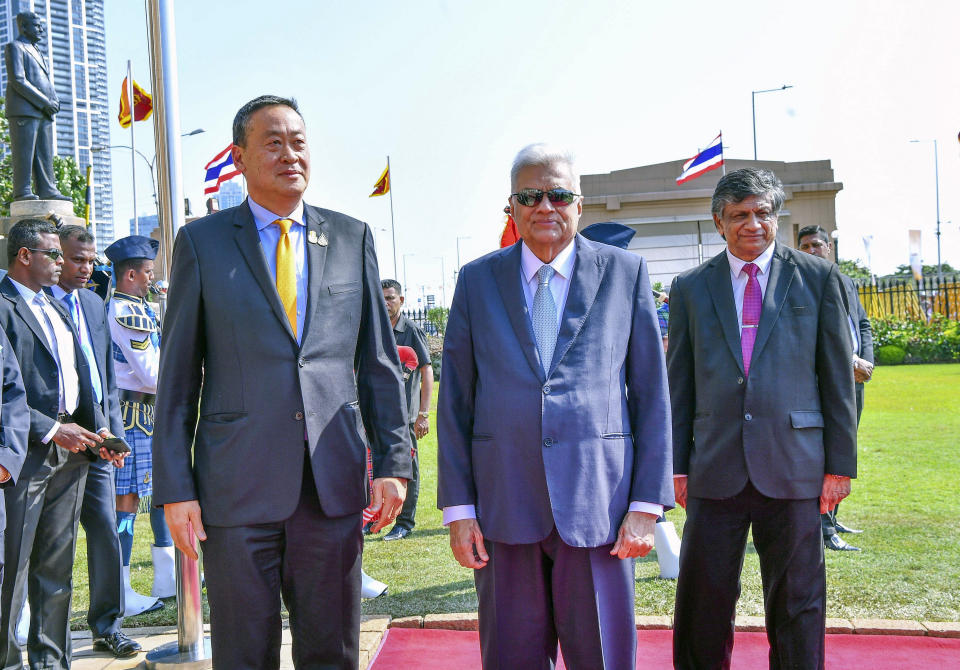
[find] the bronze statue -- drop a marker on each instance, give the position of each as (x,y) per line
(32,104)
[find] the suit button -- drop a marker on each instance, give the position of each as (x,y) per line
(302,362)
(546,390)
(748,416)
(547,442)
(298,416)
(739,380)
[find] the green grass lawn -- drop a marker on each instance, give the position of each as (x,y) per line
(905,500)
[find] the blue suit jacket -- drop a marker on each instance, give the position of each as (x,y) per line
(573,447)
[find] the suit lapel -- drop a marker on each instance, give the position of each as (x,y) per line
(506,271)
(248,240)
(781,276)
(316,258)
(26,314)
(35,53)
(585,281)
(721,292)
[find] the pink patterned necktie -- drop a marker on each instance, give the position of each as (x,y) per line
(750,317)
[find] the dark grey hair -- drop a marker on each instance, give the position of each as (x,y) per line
(813,230)
(26,233)
(241,122)
(543,155)
(741,184)
(391,283)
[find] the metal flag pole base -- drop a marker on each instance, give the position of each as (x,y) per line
(191,651)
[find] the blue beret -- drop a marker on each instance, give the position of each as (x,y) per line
(608,232)
(134,246)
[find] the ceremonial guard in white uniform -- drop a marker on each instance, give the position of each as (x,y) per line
(135,330)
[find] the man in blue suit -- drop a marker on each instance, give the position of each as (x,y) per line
(553,431)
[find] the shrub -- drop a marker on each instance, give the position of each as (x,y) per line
(889,354)
(937,340)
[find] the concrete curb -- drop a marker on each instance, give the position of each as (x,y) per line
(748,624)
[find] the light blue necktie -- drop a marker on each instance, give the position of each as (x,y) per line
(545,317)
(73,309)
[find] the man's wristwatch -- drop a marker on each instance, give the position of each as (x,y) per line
(425,415)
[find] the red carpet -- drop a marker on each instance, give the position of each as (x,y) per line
(431,649)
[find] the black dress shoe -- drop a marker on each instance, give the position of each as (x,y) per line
(398,533)
(367,529)
(844,529)
(836,543)
(117,644)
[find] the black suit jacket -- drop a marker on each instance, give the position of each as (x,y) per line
(14,416)
(95,313)
(794,418)
(41,377)
(860,318)
(238,397)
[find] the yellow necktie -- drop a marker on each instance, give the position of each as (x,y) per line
(287,272)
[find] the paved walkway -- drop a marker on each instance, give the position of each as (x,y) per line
(85,658)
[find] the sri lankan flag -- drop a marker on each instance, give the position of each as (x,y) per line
(382,187)
(142,105)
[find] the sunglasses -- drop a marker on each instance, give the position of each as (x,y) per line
(529,197)
(52,254)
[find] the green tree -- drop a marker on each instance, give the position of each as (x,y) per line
(438,317)
(70,180)
(927,270)
(854,269)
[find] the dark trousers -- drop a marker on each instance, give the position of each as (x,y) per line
(31,141)
(534,595)
(312,560)
(406,518)
(98,516)
(786,535)
(43,511)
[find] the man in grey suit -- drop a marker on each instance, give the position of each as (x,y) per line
(764,428)
(31,105)
(815,240)
(553,431)
(279,363)
(98,514)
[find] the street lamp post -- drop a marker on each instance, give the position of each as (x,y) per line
(462,237)
(405,272)
(753,106)
(936,181)
(151,166)
(443,282)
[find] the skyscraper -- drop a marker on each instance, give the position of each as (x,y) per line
(75,46)
(230,194)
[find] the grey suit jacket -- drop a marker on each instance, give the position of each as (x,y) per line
(41,377)
(860,318)
(29,88)
(237,398)
(573,447)
(794,418)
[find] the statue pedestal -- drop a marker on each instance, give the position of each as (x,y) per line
(55,211)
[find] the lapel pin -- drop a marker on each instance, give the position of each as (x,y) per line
(312,236)
(322,240)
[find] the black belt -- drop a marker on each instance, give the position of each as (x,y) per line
(138,397)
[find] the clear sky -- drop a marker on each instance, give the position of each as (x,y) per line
(451,89)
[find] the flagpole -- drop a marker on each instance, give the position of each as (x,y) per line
(723,161)
(133,150)
(393,229)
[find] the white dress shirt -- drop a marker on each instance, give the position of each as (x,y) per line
(270,235)
(60,341)
(563,265)
(739,278)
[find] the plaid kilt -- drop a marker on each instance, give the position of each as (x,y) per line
(136,475)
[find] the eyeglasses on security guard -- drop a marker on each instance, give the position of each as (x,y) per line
(530,197)
(52,254)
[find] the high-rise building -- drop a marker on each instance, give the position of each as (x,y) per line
(75,47)
(230,194)
(145,226)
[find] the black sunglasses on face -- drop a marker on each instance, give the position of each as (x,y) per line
(529,197)
(52,254)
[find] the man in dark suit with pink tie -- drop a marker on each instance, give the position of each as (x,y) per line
(764,428)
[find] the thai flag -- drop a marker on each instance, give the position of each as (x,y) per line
(219,170)
(708,159)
